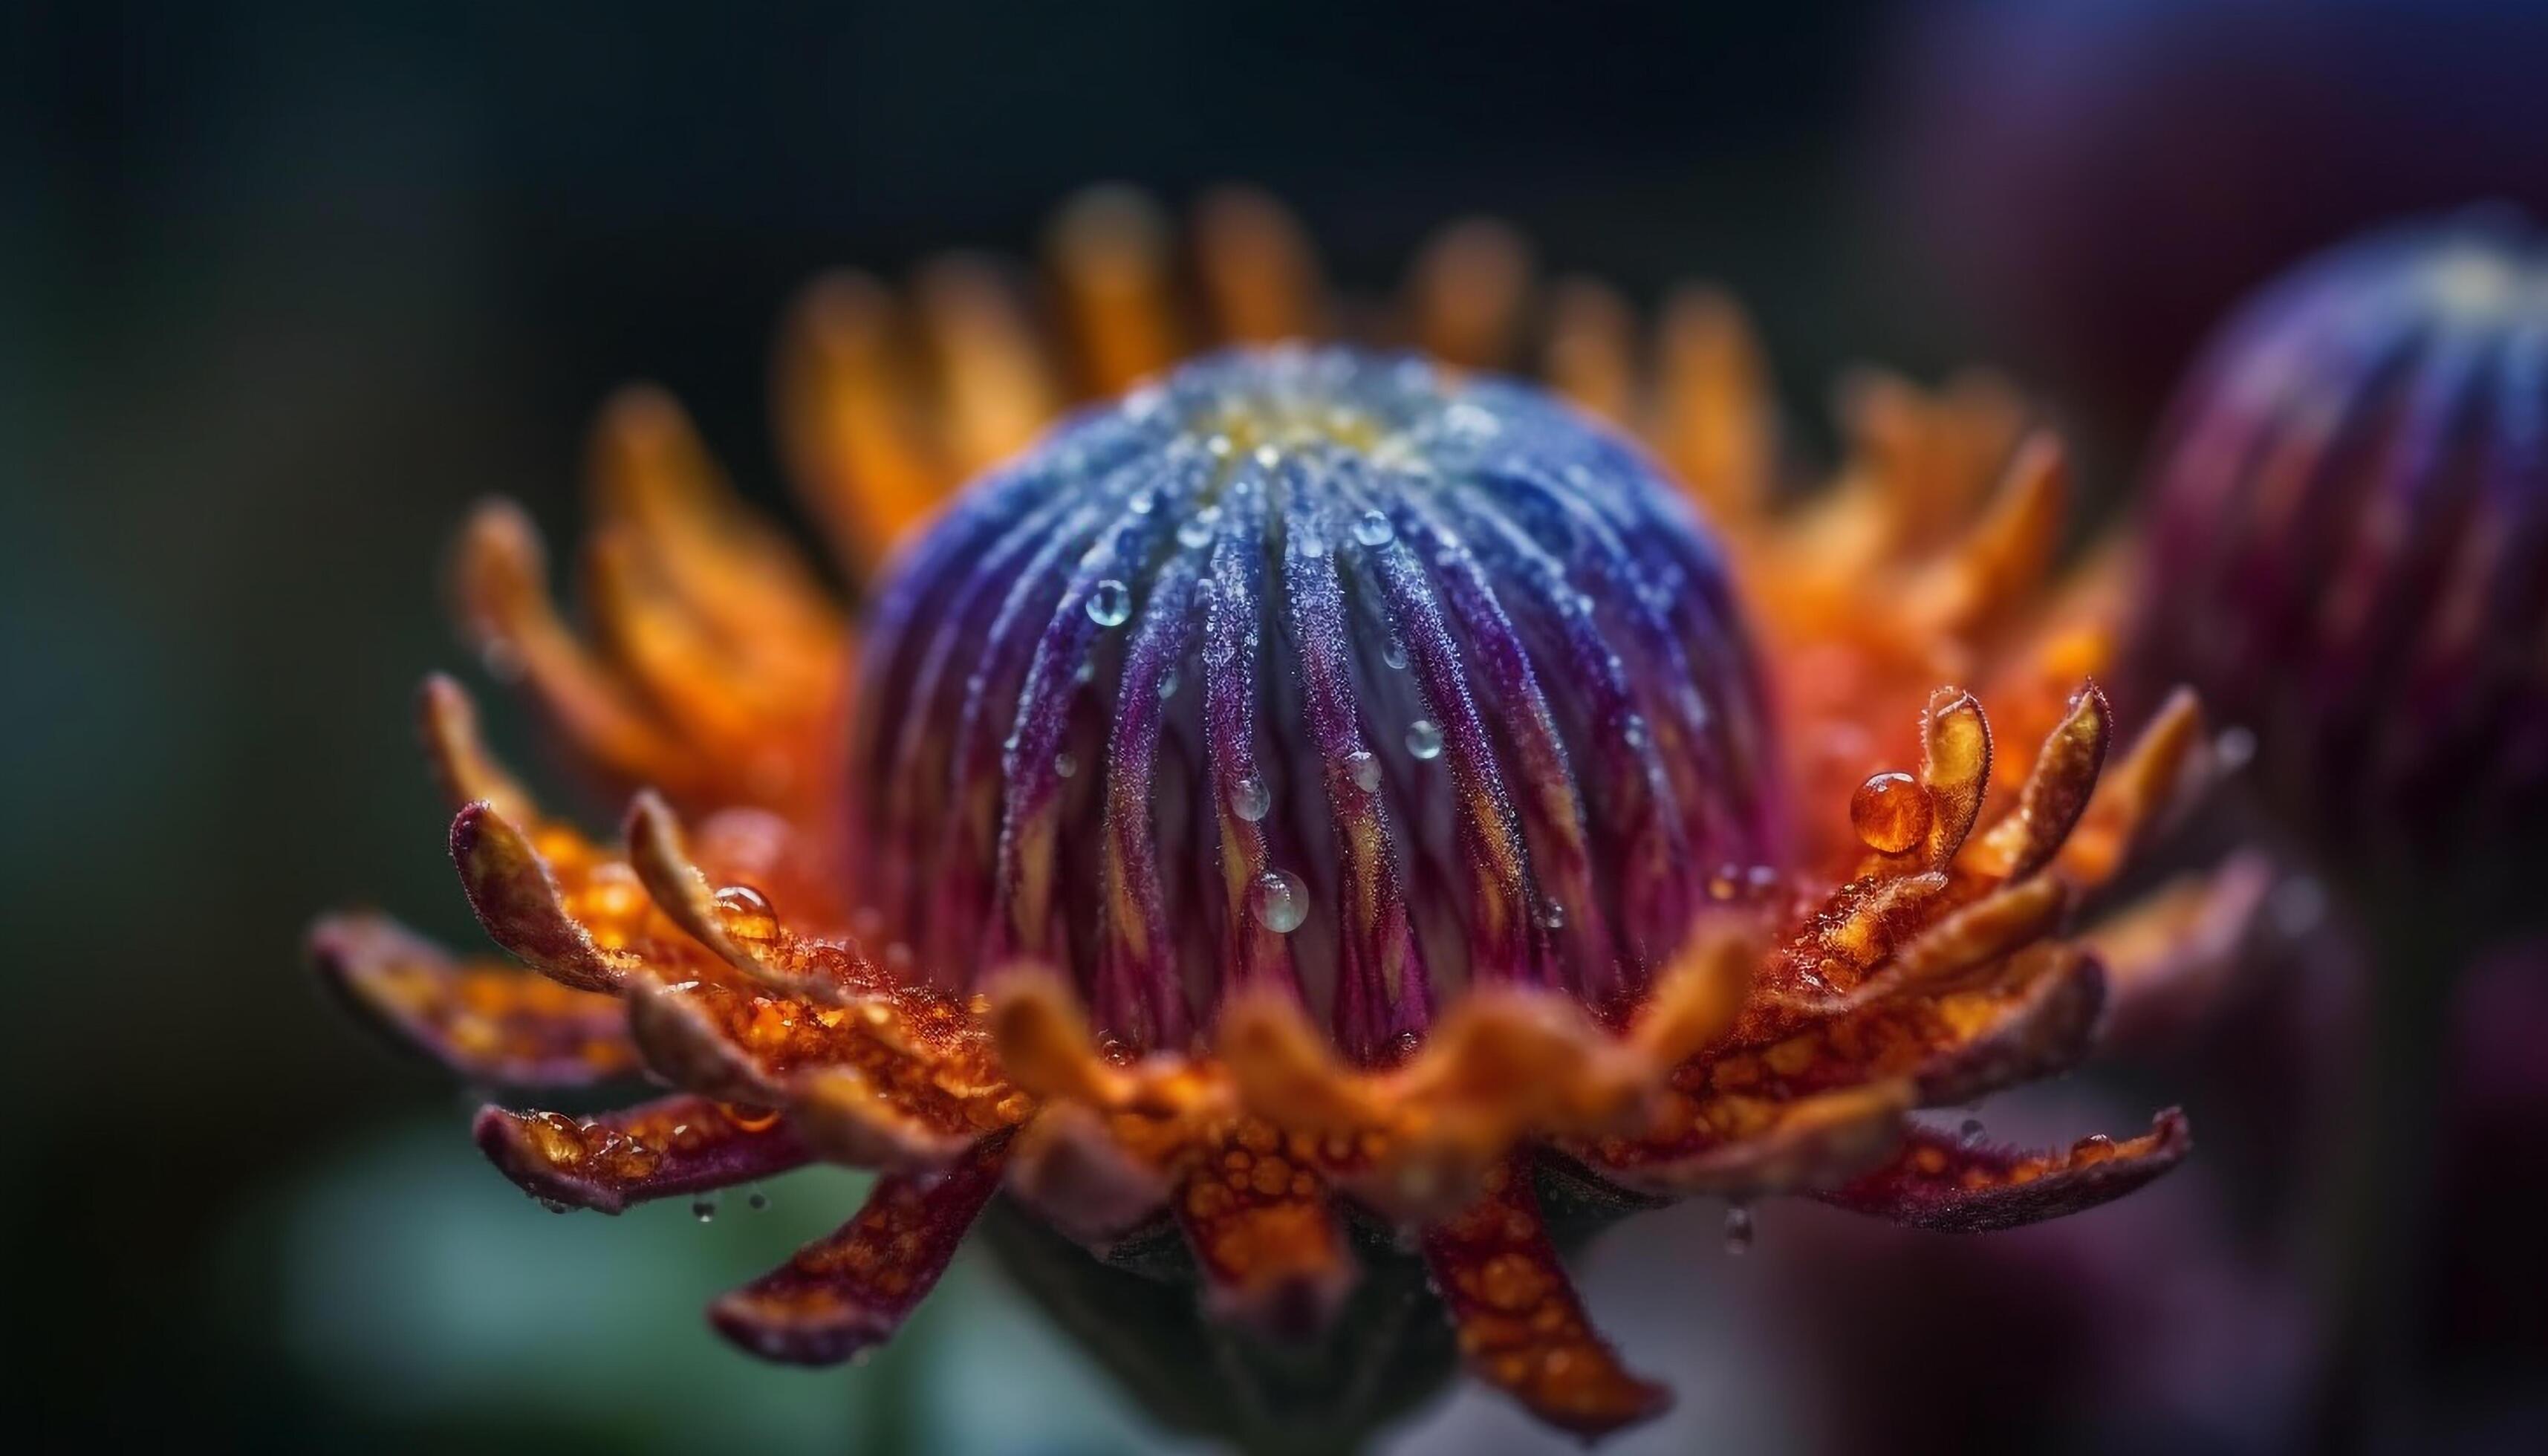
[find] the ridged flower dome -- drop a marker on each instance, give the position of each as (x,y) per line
(2349,555)
(1320,666)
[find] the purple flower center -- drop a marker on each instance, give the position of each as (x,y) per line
(1312,667)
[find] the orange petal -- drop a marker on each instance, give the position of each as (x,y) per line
(1939,1184)
(655,1150)
(852,1289)
(2002,561)
(1742,1147)
(1955,770)
(1264,1237)
(2055,793)
(1593,348)
(2165,768)
(501,585)
(994,377)
(1109,257)
(462,766)
(485,1022)
(1467,292)
(1521,1326)
(1260,274)
(1714,423)
(849,420)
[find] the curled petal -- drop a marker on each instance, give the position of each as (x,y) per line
(737,923)
(2057,792)
(2165,768)
(1521,1326)
(1696,997)
(1741,1147)
(852,1289)
(850,1072)
(1955,770)
(485,1022)
(1938,1184)
(1999,924)
(2032,1017)
(655,1149)
(1267,1240)
(518,900)
(463,767)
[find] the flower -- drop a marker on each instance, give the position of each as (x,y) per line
(2345,545)
(1316,799)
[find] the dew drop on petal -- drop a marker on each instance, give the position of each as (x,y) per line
(1194,533)
(1364,770)
(1168,684)
(1969,1136)
(1064,764)
(759,1200)
(1395,654)
(1892,812)
(1250,798)
(747,913)
(1111,604)
(1280,901)
(1373,529)
(1552,916)
(1425,738)
(705,1208)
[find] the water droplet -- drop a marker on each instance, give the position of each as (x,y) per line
(1194,534)
(1969,1136)
(1168,684)
(1892,812)
(747,913)
(1086,671)
(1111,604)
(1279,902)
(1552,916)
(1313,545)
(1142,504)
(1633,731)
(1373,529)
(1424,739)
(705,1208)
(1268,456)
(1405,1044)
(759,1201)
(1250,798)
(1364,770)
(1064,764)
(1395,654)
(1739,1232)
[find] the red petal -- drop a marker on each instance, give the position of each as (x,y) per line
(1938,1184)
(655,1149)
(852,1289)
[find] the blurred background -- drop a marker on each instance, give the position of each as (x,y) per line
(284,286)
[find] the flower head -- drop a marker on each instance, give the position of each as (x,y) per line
(2350,529)
(1318,799)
